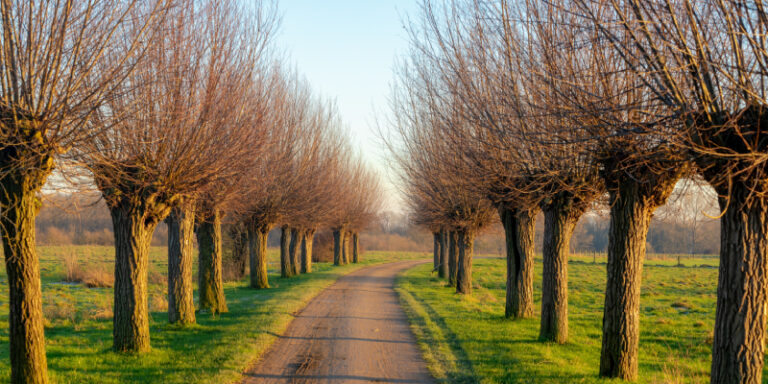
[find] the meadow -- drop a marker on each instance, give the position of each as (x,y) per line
(78,320)
(466,339)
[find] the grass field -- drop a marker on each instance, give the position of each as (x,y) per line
(467,339)
(216,350)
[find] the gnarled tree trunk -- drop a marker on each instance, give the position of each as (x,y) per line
(257,249)
(519,228)
(19,206)
(211,285)
(306,250)
(286,270)
(466,241)
(293,251)
(738,347)
(133,234)
(632,206)
(181,229)
(453,257)
(559,222)
(338,239)
(355,248)
(442,267)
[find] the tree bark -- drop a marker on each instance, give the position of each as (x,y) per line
(559,223)
(632,206)
(294,253)
(355,248)
(257,237)
(345,247)
(466,241)
(240,250)
(453,258)
(211,285)
(442,267)
(286,270)
(133,234)
(337,245)
(181,228)
(436,250)
(738,347)
(20,205)
(519,229)
(306,250)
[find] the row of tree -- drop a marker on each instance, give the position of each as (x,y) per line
(557,105)
(175,111)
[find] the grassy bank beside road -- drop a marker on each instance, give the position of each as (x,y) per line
(467,339)
(216,350)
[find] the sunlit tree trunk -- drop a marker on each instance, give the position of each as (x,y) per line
(133,234)
(181,230)
(257,249)
(211,283)
(19,206)
(559,222)
(345,247)
(738,348)
(632,204)
(519,228)
(306,250)
(466,241)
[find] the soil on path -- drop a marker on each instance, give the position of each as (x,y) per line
(352,332)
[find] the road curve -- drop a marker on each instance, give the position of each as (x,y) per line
(352,332)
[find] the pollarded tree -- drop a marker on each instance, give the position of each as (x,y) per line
(705,62)
(60,62)
(148,159)
(365,207)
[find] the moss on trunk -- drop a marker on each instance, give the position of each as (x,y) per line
(306,250)
(466,243)
(286,269)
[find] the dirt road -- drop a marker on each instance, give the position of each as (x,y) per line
(353,332)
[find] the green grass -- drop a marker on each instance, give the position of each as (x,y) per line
(467,339)
(216,350)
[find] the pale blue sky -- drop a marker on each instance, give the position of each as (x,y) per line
(347,50)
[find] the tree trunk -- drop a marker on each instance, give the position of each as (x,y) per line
(355,248)
(632,206)
(240,251)
(294,253)
(286,270)
(436,251)
(466,240)
(337,245)
(345,247)
(738,348)
(181,228)
(442,267)
(257,236)
(211,286)
(559,223)
(133,234)
(20,206)
(306,250)
(453,258)
(519,229)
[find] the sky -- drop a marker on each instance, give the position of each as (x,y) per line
(347,50)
